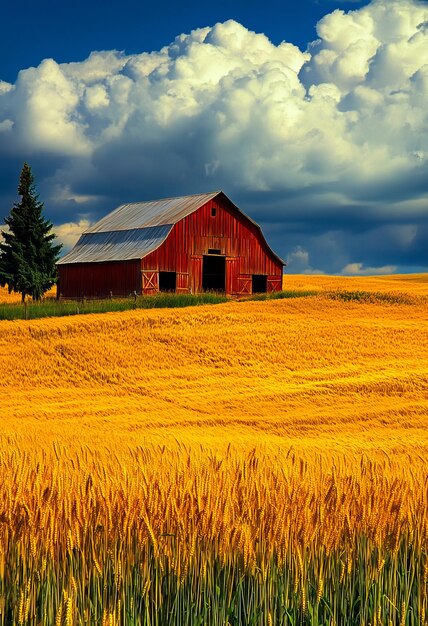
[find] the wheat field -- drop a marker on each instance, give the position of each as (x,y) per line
(243,463)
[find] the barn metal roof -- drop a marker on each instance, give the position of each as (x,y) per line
(135,229)
(152,213)
(119,245)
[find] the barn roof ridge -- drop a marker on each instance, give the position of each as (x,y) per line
(162,212)
(187,195)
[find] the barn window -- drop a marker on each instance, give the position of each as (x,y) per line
(214,251)
(259,283)
(213,211)
(167,281)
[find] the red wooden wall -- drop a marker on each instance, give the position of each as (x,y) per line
(229,231)
(99,279)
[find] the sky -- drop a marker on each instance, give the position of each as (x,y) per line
(311,116)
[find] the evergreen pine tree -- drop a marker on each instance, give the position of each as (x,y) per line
(28,254)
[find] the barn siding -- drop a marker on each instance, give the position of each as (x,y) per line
(236,237)
(230,231)
(99,279)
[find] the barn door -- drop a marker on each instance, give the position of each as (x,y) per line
(214,272)
(244,284)
(274,283)
(150,282)
(195,278)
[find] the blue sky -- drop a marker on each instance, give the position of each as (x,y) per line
(72,29)
(311,116)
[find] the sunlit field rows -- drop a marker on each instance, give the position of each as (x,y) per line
(5,296)
(15,298)
(410,284)
(242,463)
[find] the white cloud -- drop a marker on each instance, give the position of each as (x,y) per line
(358,269)
(5,87)
(298,262)
(339,129)
(64,194)
(44,109)
(6,125)
(69,233)
(96,97)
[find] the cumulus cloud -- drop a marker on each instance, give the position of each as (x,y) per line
(330,144)
(298,262)
(358,269)
(69,233)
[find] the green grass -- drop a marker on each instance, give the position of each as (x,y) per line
(54,308)
(148,592)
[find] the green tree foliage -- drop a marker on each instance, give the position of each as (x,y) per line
(28,253)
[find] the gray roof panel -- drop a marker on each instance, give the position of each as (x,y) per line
(152,213)
(120,245)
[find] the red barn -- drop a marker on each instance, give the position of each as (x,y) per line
(186,244)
